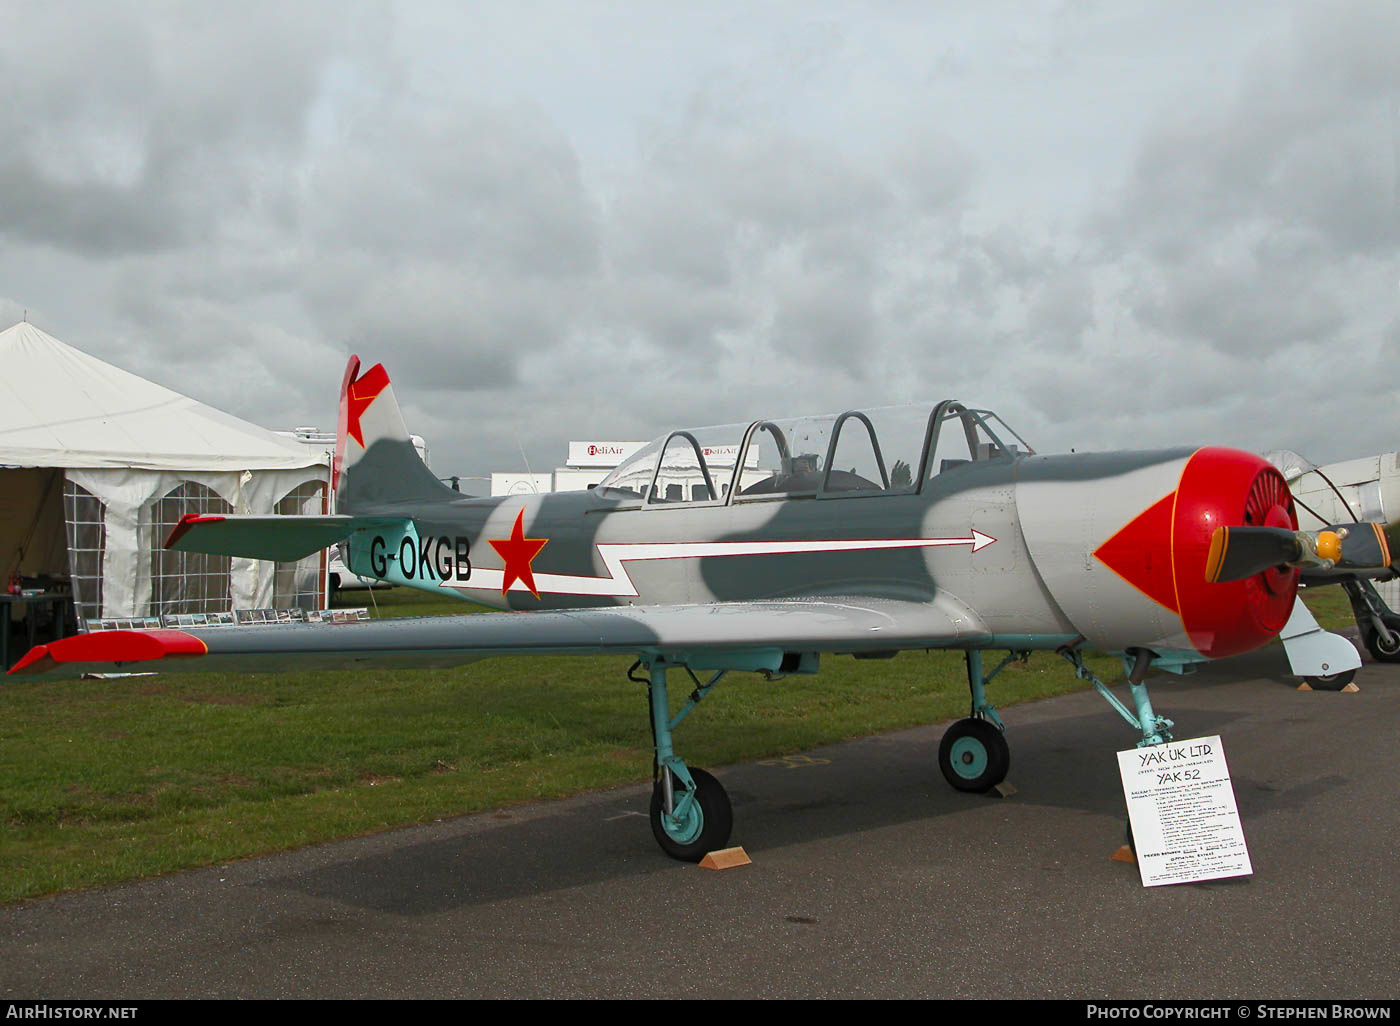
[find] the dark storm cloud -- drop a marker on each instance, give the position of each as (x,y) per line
(1250,247)
(86,217)
(273,190)
(496,189)
(1247,218)
(1062,309)
(129,129)
(1244,303)
(808,220)
(459,240)
(742,240)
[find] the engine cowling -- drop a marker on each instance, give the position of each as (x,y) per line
(1122,540)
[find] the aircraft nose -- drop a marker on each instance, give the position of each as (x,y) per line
(1121,543)
(1165,551)
(1230,488)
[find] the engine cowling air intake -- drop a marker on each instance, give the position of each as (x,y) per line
(1122,542)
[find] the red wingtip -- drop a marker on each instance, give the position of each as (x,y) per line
(111,647)
(186,522)
(37,654)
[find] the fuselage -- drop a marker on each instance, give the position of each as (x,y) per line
(1036,551)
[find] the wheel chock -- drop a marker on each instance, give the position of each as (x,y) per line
(1304,686)
(1351,688)
(1003,790)
(1124,854)
(726,858)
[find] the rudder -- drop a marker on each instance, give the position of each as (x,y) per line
(375,459)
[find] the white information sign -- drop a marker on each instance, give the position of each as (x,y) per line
(1185,823)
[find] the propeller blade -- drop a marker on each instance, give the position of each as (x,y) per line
(1240,552)
(1357,547)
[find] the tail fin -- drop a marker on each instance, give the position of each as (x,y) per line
(375,460)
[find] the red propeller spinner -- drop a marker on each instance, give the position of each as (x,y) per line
(1163,551)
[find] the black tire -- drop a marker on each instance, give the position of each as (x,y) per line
(712,821)
(974,756)
(1376,645)
(1331,681)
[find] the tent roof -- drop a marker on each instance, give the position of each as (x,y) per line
(60,407)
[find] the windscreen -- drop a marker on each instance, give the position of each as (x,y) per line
(631,478)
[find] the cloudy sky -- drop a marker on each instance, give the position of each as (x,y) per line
(1119,224)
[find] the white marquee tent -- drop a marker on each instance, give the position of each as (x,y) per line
(96,466)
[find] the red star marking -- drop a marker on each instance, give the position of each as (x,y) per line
(363,391)
(516,552)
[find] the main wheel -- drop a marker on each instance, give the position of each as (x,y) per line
(974,755)
(1380,651)
(703,827)
(1331,681)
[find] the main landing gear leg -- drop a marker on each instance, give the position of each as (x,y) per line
(974,755)
(690,812)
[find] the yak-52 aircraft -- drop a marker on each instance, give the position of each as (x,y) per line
(1351,492)
(764,546)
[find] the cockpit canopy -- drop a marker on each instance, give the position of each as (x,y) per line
(882,451)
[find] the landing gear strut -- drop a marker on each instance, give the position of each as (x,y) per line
(690,811)
(1378,623)
(1156,730)
(974,755)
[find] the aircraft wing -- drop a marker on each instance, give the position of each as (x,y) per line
(754,635)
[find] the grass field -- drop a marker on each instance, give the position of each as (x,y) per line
(104,781)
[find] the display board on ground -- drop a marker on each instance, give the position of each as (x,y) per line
(1181,807)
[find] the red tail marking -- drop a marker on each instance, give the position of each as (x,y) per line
(358,397)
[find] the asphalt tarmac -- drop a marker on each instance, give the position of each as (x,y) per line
(870,878)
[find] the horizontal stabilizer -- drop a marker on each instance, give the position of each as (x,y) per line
(255,536)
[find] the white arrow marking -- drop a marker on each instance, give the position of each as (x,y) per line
(618,583)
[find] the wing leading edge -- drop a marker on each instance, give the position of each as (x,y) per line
(699,635)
